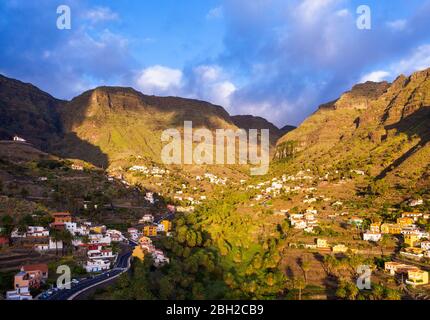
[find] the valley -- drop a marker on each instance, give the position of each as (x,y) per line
(349,187)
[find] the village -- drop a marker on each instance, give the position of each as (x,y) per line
(95,246)
(320,221)
(412,249)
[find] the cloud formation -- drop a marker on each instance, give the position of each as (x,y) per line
(160,80)
(274,58)
(63,62)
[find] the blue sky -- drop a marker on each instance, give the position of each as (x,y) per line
(278,59)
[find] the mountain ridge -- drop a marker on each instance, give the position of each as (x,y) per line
(103,124)
(380,128)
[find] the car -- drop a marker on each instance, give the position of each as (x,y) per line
(75,281)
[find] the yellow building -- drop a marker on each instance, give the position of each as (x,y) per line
(417,277)
(405,221)
(138,253)
(411,239)
(167,225)
(340,248)
(375,227)
(150,231)
(145,240)
(391,228)
(98,229)
(322,243)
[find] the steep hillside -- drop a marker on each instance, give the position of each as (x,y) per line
(28,112)
(251,122)
(122,122)
(380,128)
(286,129)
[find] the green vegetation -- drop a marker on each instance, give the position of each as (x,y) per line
(216,253)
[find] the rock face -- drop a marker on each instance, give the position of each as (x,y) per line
(287,128)
(29,112)
(251,122)
(379,127)
(103,125)
(122,122)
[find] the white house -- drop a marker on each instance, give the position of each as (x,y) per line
(300,224)
(97,265)
(21,293)
(425,245)
(147,218)
(19,139)
(51,245)
(149,197)
(101,254)
(372,236)
(115,235)
(99,238)
(414,203)
(36,231)
(55,245)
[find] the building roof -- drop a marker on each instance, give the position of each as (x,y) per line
(43,267)
(61,214)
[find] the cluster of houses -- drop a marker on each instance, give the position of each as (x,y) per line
(29,277)
(38,237)
(306,221)
(95,243)
(276,186)
(150,228)
(153,171)
(213,179)
(145,246)
(272,188)
(180,195)
(92,241)
(322,245)
(414,275)
(404,226)
(142,236)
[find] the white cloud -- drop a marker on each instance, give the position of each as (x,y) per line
(221,93)
(342,13)
(310,10)
(419,59)
(215,13)
(397,25)
(160,80)
(101,14)
(375,76)
(209,82)
(208,73)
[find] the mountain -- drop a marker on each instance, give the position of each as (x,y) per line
(29,112)
(252,122)
(286,129)
(380,128)
(106,124)
(123,122)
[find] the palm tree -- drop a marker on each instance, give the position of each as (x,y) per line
(56,236)
(300,284)
(67,238)
(305,265)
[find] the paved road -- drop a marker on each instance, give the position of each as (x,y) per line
(121,265)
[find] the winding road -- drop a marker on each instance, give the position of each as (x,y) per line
(122,265)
